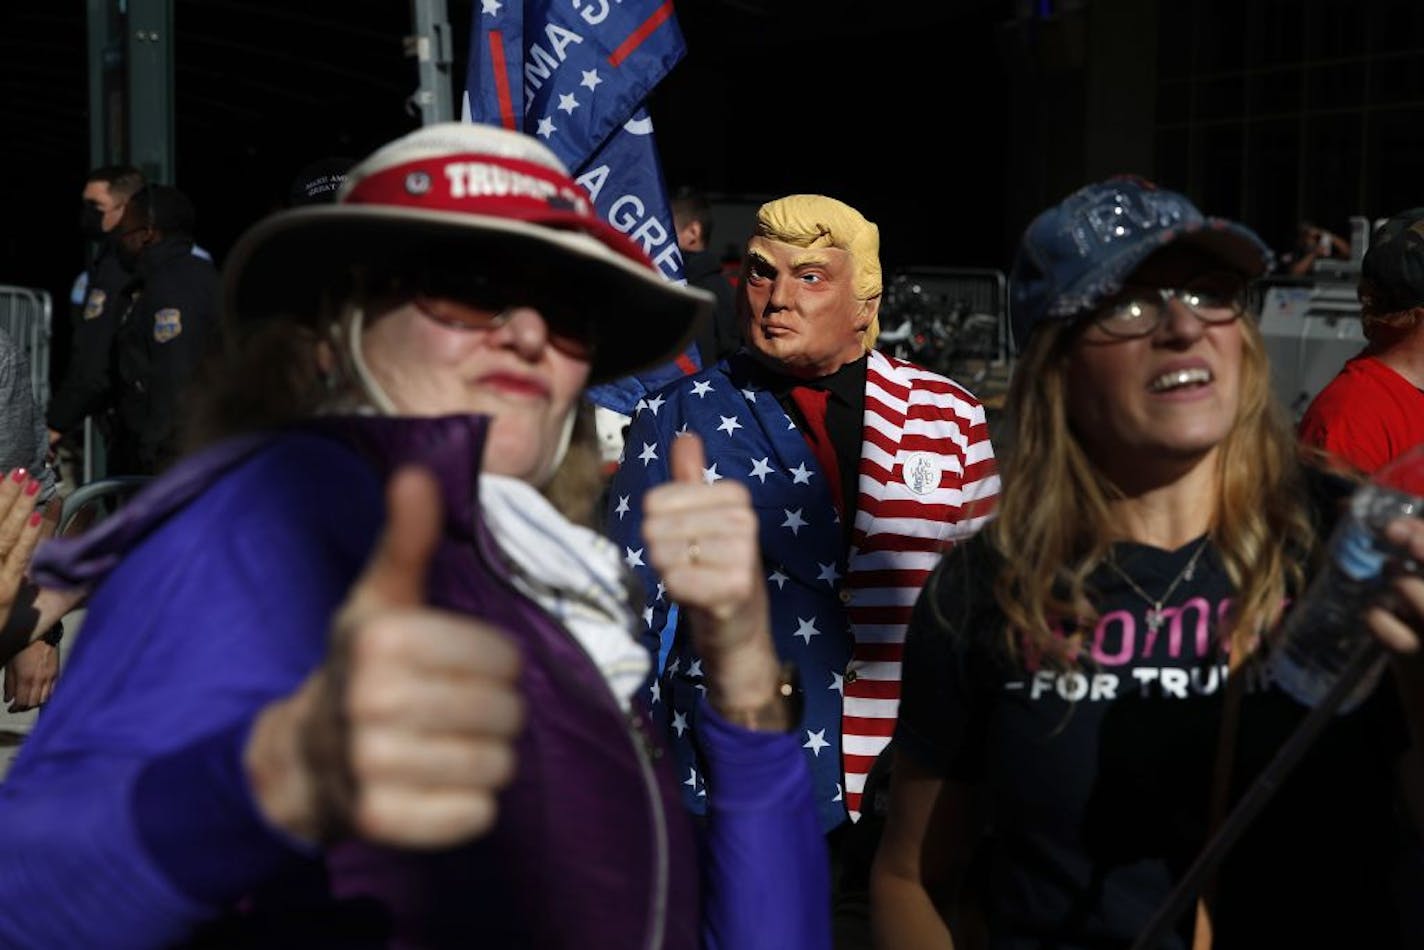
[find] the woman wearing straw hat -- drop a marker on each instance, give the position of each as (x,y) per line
(1064,679)
(300,715)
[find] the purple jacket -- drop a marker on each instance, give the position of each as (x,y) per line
(145,734)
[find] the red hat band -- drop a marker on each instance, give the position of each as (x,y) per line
(474,183)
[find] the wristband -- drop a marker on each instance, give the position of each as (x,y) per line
(54,634)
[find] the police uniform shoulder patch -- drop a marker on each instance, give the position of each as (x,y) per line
(94,303)
(167,324)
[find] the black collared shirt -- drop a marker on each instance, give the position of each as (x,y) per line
(845,421)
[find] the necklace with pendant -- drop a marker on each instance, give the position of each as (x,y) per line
(1155,616)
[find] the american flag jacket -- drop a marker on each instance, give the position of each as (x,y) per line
(927,480)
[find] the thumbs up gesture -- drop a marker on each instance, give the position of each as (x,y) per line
(702,539)
(405,734)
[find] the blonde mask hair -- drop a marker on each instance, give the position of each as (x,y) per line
(817,221)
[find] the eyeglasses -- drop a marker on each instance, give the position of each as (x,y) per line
(570,331)
(1214,299)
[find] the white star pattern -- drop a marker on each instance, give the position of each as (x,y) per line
(676,662)
(639,406)
(489,7)
(547,127)
(709,475)
(633,558)
(691,778)
(648,616)
(806,630)
(661,590)
(682,431)
(590,79)
(622,508)
(657,691)
(650,452)
(694,668)
(568,103)
(797,609)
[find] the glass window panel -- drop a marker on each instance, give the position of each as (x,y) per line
(1337,86)
(1273,159)
(1221,170)
(1221,98)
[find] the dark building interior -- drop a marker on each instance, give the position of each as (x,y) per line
(949,123)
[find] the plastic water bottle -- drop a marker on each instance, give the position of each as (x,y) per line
(1324,627)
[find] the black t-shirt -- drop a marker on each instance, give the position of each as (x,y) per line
(1099,776)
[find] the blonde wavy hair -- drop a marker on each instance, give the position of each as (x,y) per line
(1054,524)
(818,221)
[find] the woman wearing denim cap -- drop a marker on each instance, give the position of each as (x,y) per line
(1057,747)
(302,715)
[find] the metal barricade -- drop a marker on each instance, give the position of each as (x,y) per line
(952,320)
(94,501)
(968,290)
(25,315)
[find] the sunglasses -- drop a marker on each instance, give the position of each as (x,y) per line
(485,305)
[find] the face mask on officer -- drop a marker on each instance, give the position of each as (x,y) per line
(130,242)
(91,222)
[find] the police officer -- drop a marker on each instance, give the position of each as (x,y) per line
(98,297)
(165,331)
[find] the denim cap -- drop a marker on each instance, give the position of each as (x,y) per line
(1079,252)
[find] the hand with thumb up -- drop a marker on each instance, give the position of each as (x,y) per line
(405,734)
(702,539)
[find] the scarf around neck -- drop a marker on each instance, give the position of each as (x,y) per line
(573,573)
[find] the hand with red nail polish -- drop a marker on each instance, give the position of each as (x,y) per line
(20,529)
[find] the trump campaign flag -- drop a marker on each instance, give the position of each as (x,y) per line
(574,73)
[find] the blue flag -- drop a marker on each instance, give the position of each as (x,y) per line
(575,75)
